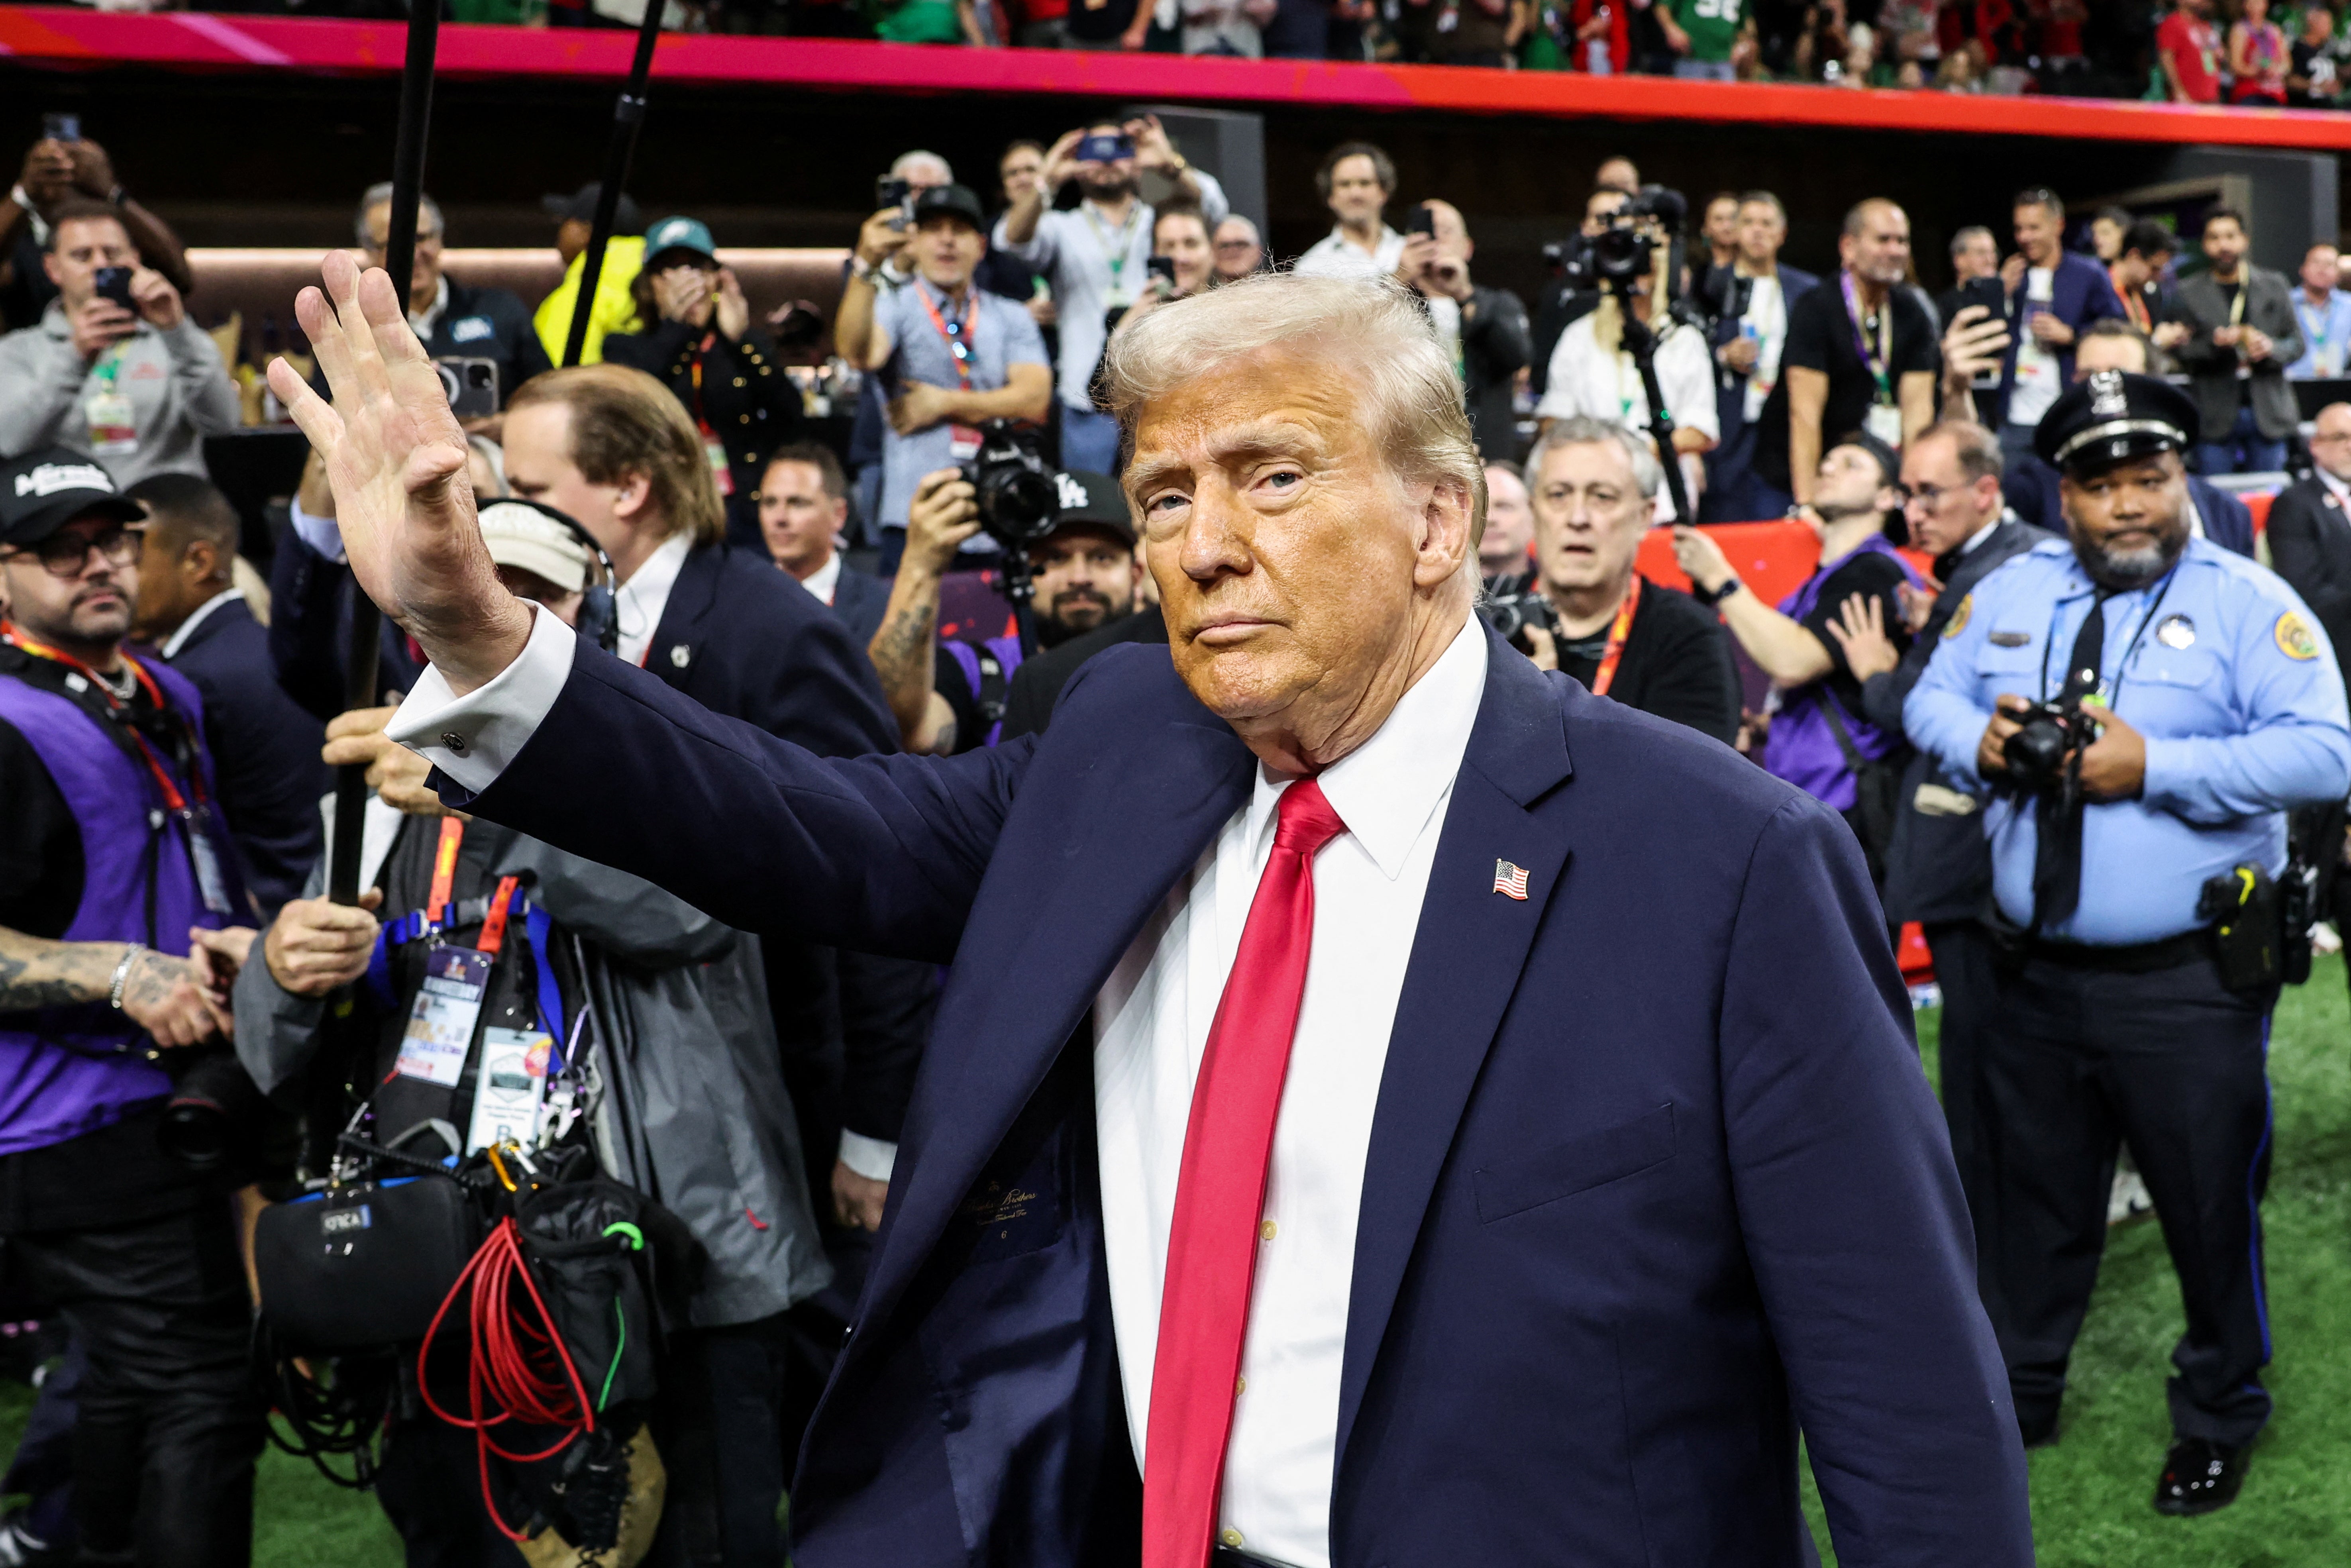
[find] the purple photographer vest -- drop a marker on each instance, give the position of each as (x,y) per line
(68,1070)
(1801,748)
(1005,653)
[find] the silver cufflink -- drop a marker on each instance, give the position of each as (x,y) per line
(453,741)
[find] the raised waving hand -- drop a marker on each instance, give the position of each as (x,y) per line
(396,460)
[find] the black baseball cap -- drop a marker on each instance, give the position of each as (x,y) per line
(2113,416)
(1889,466)
(42,491)
(1092,501)
(581,205)
(957,199)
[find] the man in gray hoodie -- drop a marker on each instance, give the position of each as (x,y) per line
(137,387)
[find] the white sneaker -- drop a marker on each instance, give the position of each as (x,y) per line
(2325,938)
(2129,1200)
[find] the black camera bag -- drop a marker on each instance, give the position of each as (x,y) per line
(365,1265)
(1876,782)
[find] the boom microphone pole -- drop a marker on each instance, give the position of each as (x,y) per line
(399,260)
(628,117)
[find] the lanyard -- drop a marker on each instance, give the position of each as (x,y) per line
(2113,683)
(958,335)
(538,926)
(444,870)
(1115,250)
(1879,364)
(2319,334)
(171,791)
(1606,676)
(709,339)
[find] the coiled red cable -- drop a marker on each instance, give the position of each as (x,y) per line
(518,1369)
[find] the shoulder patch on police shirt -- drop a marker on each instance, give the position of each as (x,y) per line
(1959,621)
(2295,639)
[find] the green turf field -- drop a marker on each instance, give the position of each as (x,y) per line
(2090,1491)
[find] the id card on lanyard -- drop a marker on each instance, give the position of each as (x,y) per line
(962,440)
(440,1032)
(114,422)
(1883,420)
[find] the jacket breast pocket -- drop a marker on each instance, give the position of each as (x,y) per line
(1579,1164)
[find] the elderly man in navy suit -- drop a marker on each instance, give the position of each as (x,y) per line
(1389,1106)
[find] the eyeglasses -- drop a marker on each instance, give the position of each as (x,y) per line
(1237,245)
(64,554)
(1929,496)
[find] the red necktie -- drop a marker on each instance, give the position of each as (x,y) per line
(1220,1194)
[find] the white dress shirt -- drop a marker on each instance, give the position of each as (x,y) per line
(1587,380)
(825,580)
(638,603)
(196,617)
(1151,1026)
(1336,255)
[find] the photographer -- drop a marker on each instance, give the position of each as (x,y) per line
(62,166)
(115,370)
(1818,740)
(1594,375)
(955,356)
(950,697)
(1096,256)
(2142,709)
(454,319)
(1595,493)
(700,343)
(1484,328)
(111,853)
(685,1077)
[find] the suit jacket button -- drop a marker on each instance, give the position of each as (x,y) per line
(681,655)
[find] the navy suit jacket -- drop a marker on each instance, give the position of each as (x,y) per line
(2029,488)
(1729,388)
(2080,292)
(310,631)
(1655,1179)
(264,747)
(858,598)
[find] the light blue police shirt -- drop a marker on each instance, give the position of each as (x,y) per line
(2219,665)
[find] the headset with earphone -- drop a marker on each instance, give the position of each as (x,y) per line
(600,618)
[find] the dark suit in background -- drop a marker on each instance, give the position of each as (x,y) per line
(738,392)
(2310,546)
(1938,866)
(1495,344)
(858,598)
(2080,292)
(264,747)
(2245,420)
(1732,493)
(310,631)
(1037,684)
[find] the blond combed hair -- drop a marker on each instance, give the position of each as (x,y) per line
(623,421)
(1377,330)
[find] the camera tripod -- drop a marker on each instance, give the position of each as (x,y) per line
(1640,340)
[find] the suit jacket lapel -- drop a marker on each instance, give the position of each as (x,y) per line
(1139,826)
(1465,962)
(690,599)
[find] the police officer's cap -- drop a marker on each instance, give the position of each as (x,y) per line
(2113,416)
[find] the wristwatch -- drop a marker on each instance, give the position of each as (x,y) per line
(1182,167)
(1729,586)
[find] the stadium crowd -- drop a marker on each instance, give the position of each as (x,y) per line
(928,577)
(2185,51)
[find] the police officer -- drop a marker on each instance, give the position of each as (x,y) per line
(2136,834)
(109,853)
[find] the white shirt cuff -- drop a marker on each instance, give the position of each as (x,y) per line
(323,535)
(869,1157)
(472,739)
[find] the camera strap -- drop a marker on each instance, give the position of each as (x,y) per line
(191,808)
(1618,630)
(2057,813)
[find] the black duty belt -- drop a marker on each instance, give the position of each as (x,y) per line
(2138,958)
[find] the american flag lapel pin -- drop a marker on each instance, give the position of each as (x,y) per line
(1511,880)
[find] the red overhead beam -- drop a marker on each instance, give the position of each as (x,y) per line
(72,36)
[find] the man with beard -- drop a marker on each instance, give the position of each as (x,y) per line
(1085,575)
(2132,881)
(1098,255)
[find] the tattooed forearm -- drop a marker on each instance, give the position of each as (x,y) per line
(37,973)
(901,651)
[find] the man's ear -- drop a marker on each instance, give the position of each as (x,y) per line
(49,268)
(635,491)
(199,561)
(1444,542)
